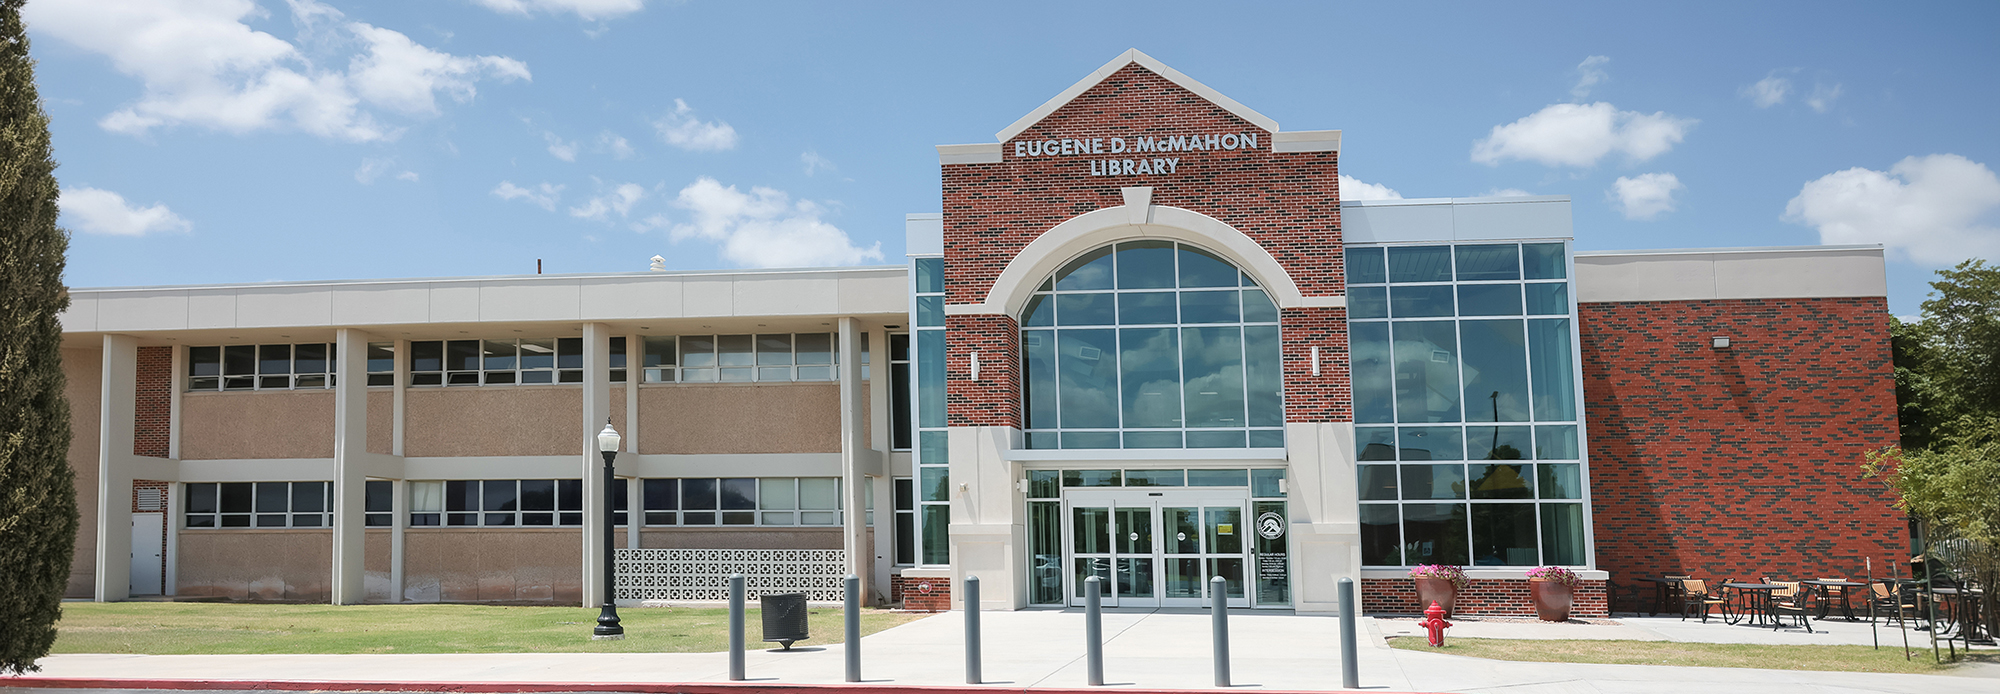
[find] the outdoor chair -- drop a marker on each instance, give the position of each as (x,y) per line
(1695,593)
(1891,603)
(1788,600)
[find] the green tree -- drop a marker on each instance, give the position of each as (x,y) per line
(37,488)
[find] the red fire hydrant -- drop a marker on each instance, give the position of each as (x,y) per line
(1435,624)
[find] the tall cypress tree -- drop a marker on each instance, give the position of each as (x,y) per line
(37,488)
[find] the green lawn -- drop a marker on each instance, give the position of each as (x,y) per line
(1833,658)
(224,628)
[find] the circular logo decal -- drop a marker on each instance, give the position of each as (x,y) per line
(1270,525)
(923,587)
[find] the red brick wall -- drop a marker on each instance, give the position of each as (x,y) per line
(1738,462)
(1289,203)
(994,399)
(1481,597)
(910,592)
(154,406)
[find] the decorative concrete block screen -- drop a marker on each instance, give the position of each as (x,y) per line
(703,574)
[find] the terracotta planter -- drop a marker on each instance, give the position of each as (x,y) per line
(1552,599)
(1437,590)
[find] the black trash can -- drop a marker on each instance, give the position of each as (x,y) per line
(784,618)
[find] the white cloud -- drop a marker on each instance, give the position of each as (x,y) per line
(95,211)
(681,129)
(588,10)
(1352,188)
(814,162)
(1768,92)
(200,64)
(1590,73)
(372,169)
(615,144)
(1505,193)
(764,228)
(1645,196)
(1581,134)
(620,200)
(565,151)
(1937,209)
(1822,96)
(543,196)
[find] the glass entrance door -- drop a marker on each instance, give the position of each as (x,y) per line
(1155,548)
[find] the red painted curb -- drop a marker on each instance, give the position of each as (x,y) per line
(528,687)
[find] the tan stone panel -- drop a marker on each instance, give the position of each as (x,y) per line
(740,418)
(376,544)
(492,421)
(381,421)
(492,565)
(262,424)
(83,369)
(740,538)
(247,564)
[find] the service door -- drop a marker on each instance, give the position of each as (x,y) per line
(148,565)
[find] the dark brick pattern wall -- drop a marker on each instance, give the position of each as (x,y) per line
(1288,203)
(911,594)
(994,399)
(1482,597)
(1739,462)
(1328,397)
(154,407)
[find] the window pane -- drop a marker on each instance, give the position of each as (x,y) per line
(1432,443)
(698,494)
(1555,383)
(1420,302)
(274,359)
(1426,372)
(1496,370)
(1550,298)
(1272,438)
(906,538)
(778,494)
(774,350)
(461,355)
(1489,300)
(739,494)
(1267,484)
(538,354)
(616,355)
(569,353)
(820,493)
(817,348)
(1374,443)
(1381,544)
(933,483)
(1200,268)
(1364,266)
(930,378)
(1155,478)
(933,448)
(1488,262)
(1041,311)
(236,497)
(272,497)
(662,495)
(1420,264)
(1555,443)
(239,360)
(1090,478)
(1544,261)
(1502,481)
(1257,307)
(381,357)
(201,498)
(1264,370)
(309,359)
(1368,348)
(1089,373)
(569,495)
(1211,307)
(1368,302)
(1503,535)
(1433,481)
(1498,443)
(1146,265)
(205,361)
(498,354)
(1039,388)
(1561,480)
(1149,368)
(930,275)
(1218,478)
(1434,534)
(937,533)
(1085,309)
(1212,366)
(1090,271)
(1378,483)
(309,497)
(498,495)
(660,351)
(899,406)
(1153,439)
(540,495)
(1562,534)
(698,351)
(1232,438)
(1143,308)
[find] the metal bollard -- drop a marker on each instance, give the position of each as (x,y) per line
(1093,630)
(736,627)
(1350,676)
(972,630)
(1218,606)
(853,628)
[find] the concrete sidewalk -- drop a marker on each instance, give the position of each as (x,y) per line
(1038,649)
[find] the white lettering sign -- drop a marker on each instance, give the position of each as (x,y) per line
(1145,144)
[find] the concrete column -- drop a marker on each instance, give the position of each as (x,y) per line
(596,413)
(399,507)
(350,465)
(880,435)
(117,417)
(402,387)
(853,443)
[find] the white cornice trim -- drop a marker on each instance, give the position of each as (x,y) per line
(1306,141)
(987,153)
(1158,68)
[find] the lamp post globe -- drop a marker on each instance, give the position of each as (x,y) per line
(607,617)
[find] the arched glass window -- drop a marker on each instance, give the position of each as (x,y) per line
(1151,344)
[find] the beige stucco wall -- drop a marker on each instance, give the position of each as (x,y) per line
(84,370)
(375,556)
(740,418)
(528,420)
(252,564)
(740,538)
(485,565)
(381,421)
(260,424)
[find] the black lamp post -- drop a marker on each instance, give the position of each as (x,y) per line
(607,618)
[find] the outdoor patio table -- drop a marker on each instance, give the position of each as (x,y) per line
(1821,587)
(1665,588)
(1756,602)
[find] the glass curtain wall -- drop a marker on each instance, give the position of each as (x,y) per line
(1465,404)
(1151,344)
(932,454)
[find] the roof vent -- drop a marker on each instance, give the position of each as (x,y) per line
(659,264)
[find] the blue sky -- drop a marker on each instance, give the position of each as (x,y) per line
(238,141)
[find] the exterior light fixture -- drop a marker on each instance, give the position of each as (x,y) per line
(1720,341)
(607,618)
